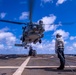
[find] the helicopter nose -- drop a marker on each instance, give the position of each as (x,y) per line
(34,26)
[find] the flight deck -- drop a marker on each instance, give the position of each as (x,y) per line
(38,65)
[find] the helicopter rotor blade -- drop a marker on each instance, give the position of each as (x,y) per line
(12,22)
(31,5)
(67,23)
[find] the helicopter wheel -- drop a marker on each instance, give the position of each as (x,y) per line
(35,41)
(40,41)
(25,47)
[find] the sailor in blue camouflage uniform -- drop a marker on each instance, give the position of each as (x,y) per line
(59,49)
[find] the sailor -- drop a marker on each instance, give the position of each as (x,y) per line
(41,25)
(59,49)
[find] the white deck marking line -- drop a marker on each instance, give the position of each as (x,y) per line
(22,67)
(9,66)
(43,58)
(47,66)
(34,66)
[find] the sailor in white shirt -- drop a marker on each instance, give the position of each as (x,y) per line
(59,49)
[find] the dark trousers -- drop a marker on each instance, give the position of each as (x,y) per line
(61,57)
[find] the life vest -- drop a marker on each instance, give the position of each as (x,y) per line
(60,44)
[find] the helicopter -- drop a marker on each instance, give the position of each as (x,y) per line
(32,32)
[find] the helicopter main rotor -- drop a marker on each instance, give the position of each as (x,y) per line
(8,21)
(31,6)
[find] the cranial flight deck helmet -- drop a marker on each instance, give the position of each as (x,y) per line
(58,35)
(40,22)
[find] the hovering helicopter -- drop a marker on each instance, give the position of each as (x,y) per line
(32,32)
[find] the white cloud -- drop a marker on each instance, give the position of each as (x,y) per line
(4,29)
(46,1)
(72,37)
(69,48)
(74,44)
(2,15)
(24,15)
(53,41)
(12,40)
(47,20)
(62,32)
(1,46)
(65,42)
(7,38)
(60,2)
(51,1)
(49,27)
(45,46)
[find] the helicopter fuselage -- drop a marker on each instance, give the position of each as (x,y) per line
(32,33)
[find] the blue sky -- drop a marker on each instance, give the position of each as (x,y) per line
(50,11)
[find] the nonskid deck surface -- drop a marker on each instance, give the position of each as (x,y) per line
(39,65)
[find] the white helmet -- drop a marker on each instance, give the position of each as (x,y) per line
(58,35)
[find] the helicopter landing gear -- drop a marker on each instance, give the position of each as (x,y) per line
(35,41)
(40,41)
(25,47)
